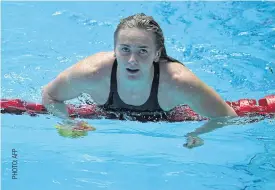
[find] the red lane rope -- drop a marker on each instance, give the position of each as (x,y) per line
(243,107)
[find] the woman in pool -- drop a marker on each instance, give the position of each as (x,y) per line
(138,76)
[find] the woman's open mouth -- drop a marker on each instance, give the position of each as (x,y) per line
(132,71)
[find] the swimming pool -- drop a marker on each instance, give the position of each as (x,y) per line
(229,45)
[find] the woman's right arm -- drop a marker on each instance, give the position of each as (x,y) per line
(82,77)
(56,92)
(68,85)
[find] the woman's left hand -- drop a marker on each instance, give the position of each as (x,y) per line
(193,141)
(74,129)
(76,125)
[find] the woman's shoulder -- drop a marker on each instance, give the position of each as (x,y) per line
(97,65)
(177,76)
(171,71)
(102,59)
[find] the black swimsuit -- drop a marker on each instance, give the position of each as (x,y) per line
(150,108)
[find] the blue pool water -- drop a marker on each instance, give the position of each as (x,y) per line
(229,45)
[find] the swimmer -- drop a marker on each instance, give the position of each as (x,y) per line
(136,76)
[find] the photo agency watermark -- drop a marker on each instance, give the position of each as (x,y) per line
(14,165)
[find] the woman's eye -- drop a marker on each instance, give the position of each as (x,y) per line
(143,51)
(125,49)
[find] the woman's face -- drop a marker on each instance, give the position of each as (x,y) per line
(135,51)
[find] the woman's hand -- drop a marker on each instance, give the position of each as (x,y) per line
(193,141)
(76,125)
(73,129)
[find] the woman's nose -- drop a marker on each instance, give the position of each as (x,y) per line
(133,59)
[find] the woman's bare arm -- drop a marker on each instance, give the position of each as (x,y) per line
(80,78)
(201,98)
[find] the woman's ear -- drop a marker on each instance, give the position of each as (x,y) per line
(158,54)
